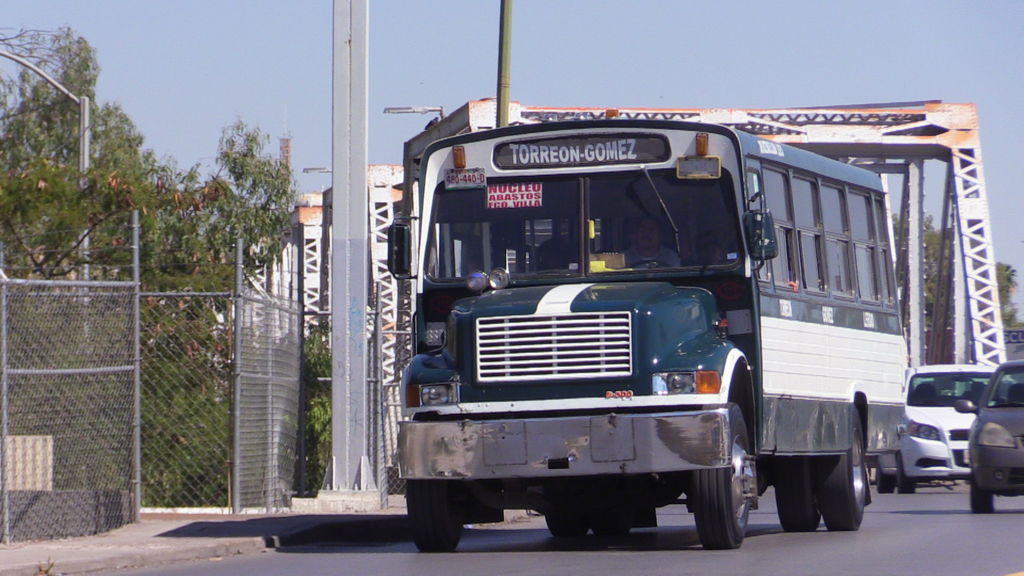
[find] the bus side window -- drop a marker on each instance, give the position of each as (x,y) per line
(784,269)
(862,227)
(837,240)
(808,221)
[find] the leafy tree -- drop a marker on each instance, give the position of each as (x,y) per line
(192,234)
(190,223)
(46,205)
(316,374)
(1007,276)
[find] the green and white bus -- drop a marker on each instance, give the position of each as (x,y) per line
(618,315)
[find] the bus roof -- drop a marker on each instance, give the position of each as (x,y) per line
(750,145)
(806,160)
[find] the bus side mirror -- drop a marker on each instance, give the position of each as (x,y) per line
(760,229)
(400,250)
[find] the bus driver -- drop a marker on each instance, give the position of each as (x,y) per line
(646,249)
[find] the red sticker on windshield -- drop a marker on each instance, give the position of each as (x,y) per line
(526,195)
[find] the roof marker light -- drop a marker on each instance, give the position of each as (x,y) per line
(702,144)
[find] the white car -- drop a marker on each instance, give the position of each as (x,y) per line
(933,440)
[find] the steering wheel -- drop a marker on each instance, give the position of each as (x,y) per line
(648,264)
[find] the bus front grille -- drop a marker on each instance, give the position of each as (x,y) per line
(562,347)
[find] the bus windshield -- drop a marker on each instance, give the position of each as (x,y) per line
(612,222)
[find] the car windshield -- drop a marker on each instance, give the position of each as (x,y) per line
(612,222)
(1008,389)
(945,388)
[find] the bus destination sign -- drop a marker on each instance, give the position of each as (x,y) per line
(582,151)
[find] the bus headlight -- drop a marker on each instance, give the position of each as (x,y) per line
(477,281)
(437,394)
(993,434)
(435,334)
(665,383)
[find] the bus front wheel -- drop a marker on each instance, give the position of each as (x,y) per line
(718,495)
(436,517)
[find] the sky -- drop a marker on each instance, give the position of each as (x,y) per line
(185,69)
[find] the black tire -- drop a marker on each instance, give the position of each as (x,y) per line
(904,484)
(566,522)
(719,507)
(981,499)
(435,516)
(842,491)
(886,483)
(612,521)
(794,495)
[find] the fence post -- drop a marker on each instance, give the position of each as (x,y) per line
(137,385)
(236,405)
(5,427)
(298,239)
(270,470)
(378,396)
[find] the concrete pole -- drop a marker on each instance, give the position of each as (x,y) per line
(915,260)
(349,251)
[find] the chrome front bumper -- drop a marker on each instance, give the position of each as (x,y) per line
(569,446)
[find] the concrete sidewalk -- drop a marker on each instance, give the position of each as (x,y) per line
(169,538)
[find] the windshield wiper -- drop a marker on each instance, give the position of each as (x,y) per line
(664,209)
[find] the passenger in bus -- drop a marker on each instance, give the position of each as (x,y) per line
(646,249)
(553,254)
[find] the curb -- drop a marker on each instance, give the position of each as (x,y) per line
(391,528)
(139,558)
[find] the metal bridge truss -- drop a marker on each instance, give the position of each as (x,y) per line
(888,138)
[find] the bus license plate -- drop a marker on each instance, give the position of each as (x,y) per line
(457,178)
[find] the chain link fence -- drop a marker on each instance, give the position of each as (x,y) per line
(68,378)
(202,355)
(187,387)
(267,392)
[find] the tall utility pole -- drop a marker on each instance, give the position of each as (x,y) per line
(349,251)
(504,61)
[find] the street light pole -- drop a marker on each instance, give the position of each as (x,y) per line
(504,62)
(84,132)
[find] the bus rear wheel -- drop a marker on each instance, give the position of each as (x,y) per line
(794,495)
(566,521)
(436,517)
(842,492)
(616,521)
(718,495)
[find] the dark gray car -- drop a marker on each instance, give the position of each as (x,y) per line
(996,443)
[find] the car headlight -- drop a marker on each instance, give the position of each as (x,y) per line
(923,431)
(993,434)
(665,383)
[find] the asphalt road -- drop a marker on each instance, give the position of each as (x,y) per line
(929,533)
